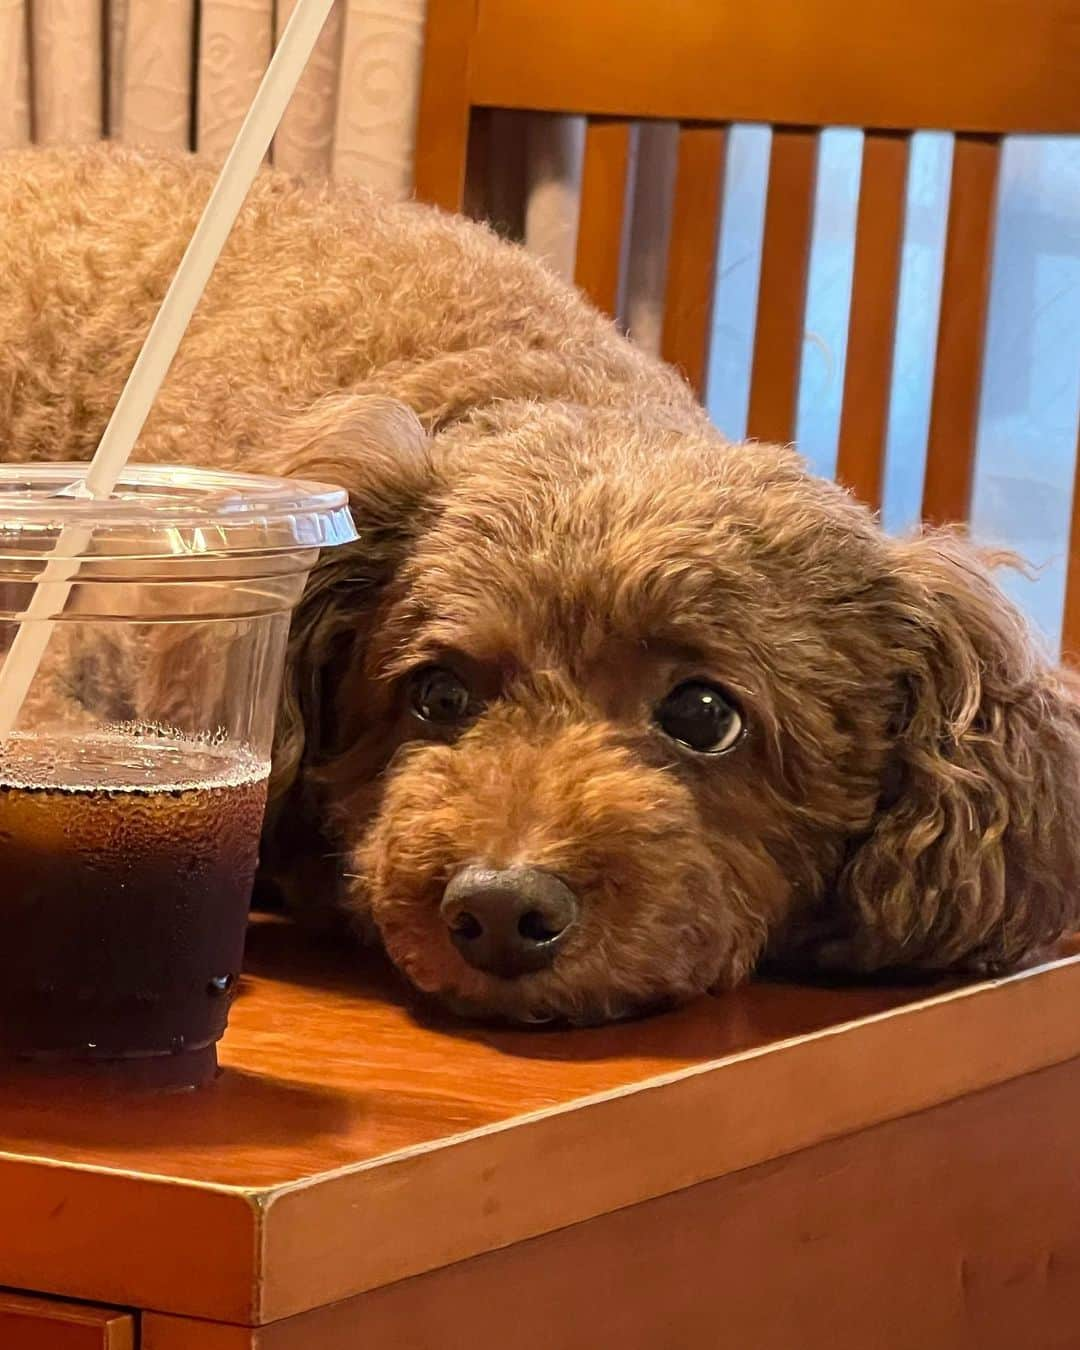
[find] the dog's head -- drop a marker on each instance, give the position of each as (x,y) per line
(603,708)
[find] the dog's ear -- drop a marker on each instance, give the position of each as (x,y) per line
(973,858)
(375,448)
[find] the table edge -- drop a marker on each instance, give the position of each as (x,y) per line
(934,1050)
(260,1254)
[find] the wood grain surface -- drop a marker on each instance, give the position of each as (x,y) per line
(779,333)
(959,64)
(951,1229)
(442,126)
(357,1138)
(603,228)
(981,71)
(875,288)
(692,247)
(965,304)
(46,1324)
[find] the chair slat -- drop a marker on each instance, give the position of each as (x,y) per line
(602,229)
(1070,628)
(442,128)
(785,259)
(965,294)
(962,65)
(695,229)
(879,237)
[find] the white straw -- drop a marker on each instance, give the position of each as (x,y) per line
(152,364)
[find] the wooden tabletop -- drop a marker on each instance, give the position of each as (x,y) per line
(355,1137)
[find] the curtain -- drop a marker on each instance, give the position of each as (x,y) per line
(14,74)
(180,74)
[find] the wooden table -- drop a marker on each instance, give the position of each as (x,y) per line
(778,1168)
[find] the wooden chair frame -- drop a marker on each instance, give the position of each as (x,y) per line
(979,70)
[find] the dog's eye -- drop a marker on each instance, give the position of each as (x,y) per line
(701,717)
(437,695)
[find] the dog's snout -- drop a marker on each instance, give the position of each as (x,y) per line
(508,922)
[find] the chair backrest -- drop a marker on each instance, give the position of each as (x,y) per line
(979,68)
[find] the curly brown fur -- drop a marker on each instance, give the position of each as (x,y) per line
(552,516)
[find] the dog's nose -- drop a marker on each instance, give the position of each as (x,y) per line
(508,922)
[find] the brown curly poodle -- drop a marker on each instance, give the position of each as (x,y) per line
(603,709)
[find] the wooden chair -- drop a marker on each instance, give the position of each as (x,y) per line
(980,70)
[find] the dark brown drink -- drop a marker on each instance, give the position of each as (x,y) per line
(126,867)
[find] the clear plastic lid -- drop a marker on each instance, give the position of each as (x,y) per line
(161,511)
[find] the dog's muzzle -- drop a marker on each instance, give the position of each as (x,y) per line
(508,922)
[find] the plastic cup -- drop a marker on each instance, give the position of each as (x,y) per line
(133,785)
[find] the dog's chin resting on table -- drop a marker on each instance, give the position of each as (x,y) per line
(603,709)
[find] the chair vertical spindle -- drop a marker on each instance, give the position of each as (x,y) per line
(879,238)
(695,231)
(965,298)
(785,260)
(603,231)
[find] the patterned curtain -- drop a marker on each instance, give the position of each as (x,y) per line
(181,73)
